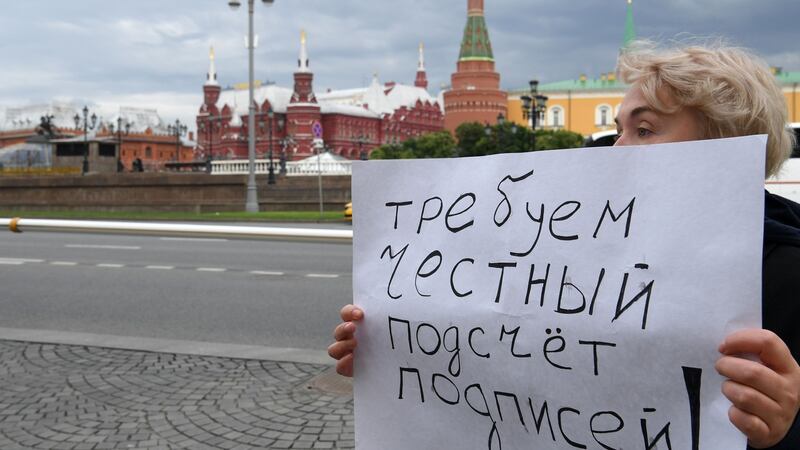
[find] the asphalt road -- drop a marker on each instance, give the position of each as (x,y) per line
(278,294)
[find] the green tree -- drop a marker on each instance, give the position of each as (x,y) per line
(475,139)
(432,145)
(558,139)
(391,151)
(510,138)
(471,139)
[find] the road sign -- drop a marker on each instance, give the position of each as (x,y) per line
(317,129)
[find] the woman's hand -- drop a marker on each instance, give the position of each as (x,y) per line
(344,333)
(765,394)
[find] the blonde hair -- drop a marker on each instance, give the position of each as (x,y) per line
(733,89)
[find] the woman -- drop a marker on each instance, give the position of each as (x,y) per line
(693,93)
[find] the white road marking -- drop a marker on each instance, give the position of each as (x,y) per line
(11,263)
(265,272)
(211,269)
(113,266)
(321,275)
(22,260)
(160,267)
(193,239)
(63,263)
(106,247)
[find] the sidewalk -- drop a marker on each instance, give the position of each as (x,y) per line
(59,396)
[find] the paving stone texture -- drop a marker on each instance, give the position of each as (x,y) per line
(75,397)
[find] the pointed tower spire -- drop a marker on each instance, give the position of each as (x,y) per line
(475,45)
(630,31)
(211,76)
(211,88)
(422,78)
(302,62)
(475,94)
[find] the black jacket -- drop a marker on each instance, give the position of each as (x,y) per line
(781,283)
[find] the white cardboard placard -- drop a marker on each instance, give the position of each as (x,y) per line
(562,299)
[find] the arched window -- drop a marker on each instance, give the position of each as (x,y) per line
(602,116)
(148,153)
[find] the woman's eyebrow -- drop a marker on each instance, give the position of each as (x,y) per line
(641,110)
(637,111)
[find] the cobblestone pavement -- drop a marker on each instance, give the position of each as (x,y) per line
(55,396)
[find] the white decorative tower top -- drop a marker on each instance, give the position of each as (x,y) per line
(302,62)
(211,77)
(422,78)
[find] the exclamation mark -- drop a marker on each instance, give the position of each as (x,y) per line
(691,376)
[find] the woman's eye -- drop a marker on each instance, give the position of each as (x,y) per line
(643,132)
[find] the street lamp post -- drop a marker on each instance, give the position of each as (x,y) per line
(86,127)
(541,106)
(527,110)
(271,173)
(532,107)
(362,154)
(127,127)
(285,142)
(251,204)
(208,128)
(319,145)
(177,130)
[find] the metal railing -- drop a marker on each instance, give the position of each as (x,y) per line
(20,225)
(293,168)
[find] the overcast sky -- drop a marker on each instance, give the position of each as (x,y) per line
(154,53)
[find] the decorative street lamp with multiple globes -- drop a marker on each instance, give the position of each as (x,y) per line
(87,125)
(177,130)
(532,106)
(207,127)
(285,142)
(251,204)
(119,128)
(362,154)
(271,173)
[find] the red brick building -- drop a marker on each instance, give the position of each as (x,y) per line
(354,121)
(475,95)
(155,150)
(147,138)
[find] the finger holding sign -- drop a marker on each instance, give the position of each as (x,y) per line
(765,393)
(345,341)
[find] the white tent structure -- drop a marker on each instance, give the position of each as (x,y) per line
(327,163)
(26,155)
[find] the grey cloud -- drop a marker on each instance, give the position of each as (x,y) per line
(121,50)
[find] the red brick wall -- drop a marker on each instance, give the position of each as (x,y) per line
(168,192)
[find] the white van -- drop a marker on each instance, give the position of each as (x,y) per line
(787,182)
(601,139)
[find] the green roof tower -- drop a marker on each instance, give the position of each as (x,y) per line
(475,94)
(475,45)
(630,31)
